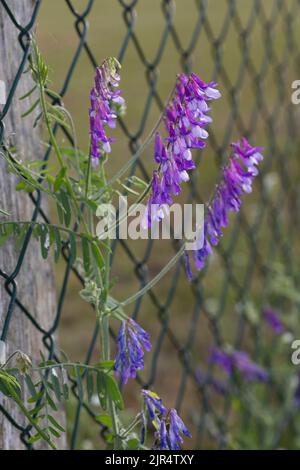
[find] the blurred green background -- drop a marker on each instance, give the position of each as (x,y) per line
(248,48)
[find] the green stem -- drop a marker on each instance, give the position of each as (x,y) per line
(104,328)
(137,420)
(55,145)
(88,174)
(152,283)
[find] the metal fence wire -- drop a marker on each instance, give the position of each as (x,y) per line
(214,308)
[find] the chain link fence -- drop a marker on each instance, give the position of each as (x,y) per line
(252,50)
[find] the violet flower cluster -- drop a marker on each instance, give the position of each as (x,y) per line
(239,361)
(169,426)
(132,341)
(106,104)
(237,178)
(272,319)
(185,120)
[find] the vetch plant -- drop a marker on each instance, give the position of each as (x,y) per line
(79,189)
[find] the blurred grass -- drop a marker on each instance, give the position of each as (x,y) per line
(107,30)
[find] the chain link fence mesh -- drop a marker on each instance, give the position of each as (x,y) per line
(252,49)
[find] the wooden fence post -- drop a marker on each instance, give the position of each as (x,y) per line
(35,281)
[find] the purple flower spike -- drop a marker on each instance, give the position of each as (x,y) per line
(237,178)
(160,152)
(185,121)
(106,104)
(250,370)
(239,360)
(223,359)
(176,428)
(162,437)
(271,317)
(132,340)
(169,426)
(153,403)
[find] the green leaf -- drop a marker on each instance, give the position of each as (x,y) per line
(28,93)
(59,179)
(30,385)
(72,243)
(55,423)
(34,438)
(5,232)
(53,94)
(98,256)
(133,444)
(66,391)
(79,384)
(66,205)
(60,211)
(91,204)
(53,432)
(44,240)
(58,244)
(57,111)
(106,420)
(36,397)
(34,412)
(8,381)
(24,186)
(31,109)
(89,385)
(37,119)
(21,233)
(65,381)
(56,386)
(51,402)
(85,254)
(101,390)
(114,392)
(37,164)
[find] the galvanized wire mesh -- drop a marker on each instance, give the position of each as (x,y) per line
(265,231)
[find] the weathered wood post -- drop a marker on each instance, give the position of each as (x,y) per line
(35,281)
